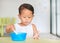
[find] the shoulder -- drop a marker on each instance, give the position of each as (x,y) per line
(34,29)
(33,25)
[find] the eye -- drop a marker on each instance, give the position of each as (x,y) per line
(24,17)
(29,17)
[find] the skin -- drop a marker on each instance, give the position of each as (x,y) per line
(26,17)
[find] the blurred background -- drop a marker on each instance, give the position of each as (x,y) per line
(47,15)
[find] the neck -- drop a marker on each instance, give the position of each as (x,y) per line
(23,24)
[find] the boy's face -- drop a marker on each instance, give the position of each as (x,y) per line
(26,16)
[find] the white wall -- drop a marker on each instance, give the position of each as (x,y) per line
(9,8)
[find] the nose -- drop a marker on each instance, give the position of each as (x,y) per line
(27,18)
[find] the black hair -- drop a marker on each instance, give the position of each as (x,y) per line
(26,6)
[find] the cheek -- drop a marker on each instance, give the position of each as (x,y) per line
(22,19)
(30,19)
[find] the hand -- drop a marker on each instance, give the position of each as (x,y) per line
(36,36)
(9,28)
(12,27)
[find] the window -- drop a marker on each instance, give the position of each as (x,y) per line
(55,17)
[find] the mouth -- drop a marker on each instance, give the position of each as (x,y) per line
(26,22)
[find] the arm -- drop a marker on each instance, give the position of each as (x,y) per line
(35,32)
(9,28)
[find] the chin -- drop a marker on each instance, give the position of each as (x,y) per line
(27,23)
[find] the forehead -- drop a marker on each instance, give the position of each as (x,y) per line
(26,12)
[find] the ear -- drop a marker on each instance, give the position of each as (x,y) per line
(33,15)
(19,15)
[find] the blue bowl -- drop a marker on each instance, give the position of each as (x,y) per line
(18,37)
